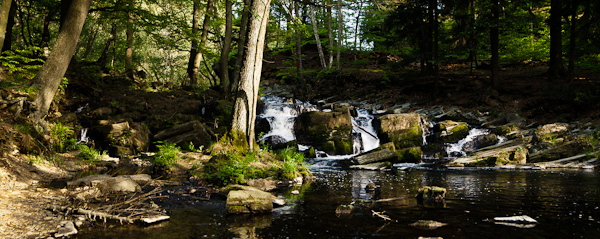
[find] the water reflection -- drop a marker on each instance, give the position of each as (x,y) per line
(565,203)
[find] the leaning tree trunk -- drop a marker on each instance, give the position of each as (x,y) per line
(49,77)
(243,35)
(192,68)
(7,43)
(317,38)
(110,42)
(244,114)
(4,15)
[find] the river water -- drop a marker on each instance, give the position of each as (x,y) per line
(565,203)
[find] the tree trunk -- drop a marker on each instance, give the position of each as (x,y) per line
(317,38)
(573,40)
(4,15)
(340,34)
(555,66)
(109,44)
(224,61)
(241,45)
(129,51)
(49,77)
(246,97)
(330,36)
(494,45)
(299,67)
(7,43)
(192,66)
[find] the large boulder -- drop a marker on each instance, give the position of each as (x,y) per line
(327,131)
(125,138)
(404,130)
(248,201)
(120,184)
(550,132)
(449,131)
(193,132)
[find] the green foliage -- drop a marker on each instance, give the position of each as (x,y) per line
(167,155)
(293,163)
(61,137)
(89,154)
(234,168)
(23,63)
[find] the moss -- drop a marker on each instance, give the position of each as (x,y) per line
(410,137)
(457,133)
(343,147)
(506,129)
(410,155)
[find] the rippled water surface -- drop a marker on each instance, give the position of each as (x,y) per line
(565,203)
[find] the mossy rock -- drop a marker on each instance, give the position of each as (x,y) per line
(328,131)
(409,155)
(452,131)
(404,130)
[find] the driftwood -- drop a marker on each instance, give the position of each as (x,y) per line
(382,216)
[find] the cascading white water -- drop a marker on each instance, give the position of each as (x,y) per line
(456,149)
(281,115)
(362,125)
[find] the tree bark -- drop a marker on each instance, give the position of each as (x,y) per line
(129,51)
(494,45)
(4,15)
(330,36)
(317,38)
(224,61)
(573,40)
(192,69)
(49,77)
(243,35)
(246,98)
(340,34)
(7,43)
(299,67)
(556,68)
(102,60)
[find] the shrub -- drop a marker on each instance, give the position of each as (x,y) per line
(166,156)
(61,137)
(89,154)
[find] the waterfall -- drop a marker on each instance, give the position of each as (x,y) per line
(456,149)
(362,126)
(281,115)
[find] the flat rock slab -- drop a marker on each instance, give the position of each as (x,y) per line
(249,201)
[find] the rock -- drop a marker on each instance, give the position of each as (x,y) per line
(549,132)
(404,130)
(193,131)
(67,230)
(92,180)
(513,152)
(276,201)
(248,201)
(265,184)
(121,184)
(372,166)
(327,131)
(431,193)
(481,141)
(409,155)
(451,131)
(427,224)
(344,210)
(374,156)
(126,138)
(139,178)
(154,219)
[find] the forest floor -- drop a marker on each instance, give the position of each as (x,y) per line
(525,91)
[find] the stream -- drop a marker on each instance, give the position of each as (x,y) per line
(566,203)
